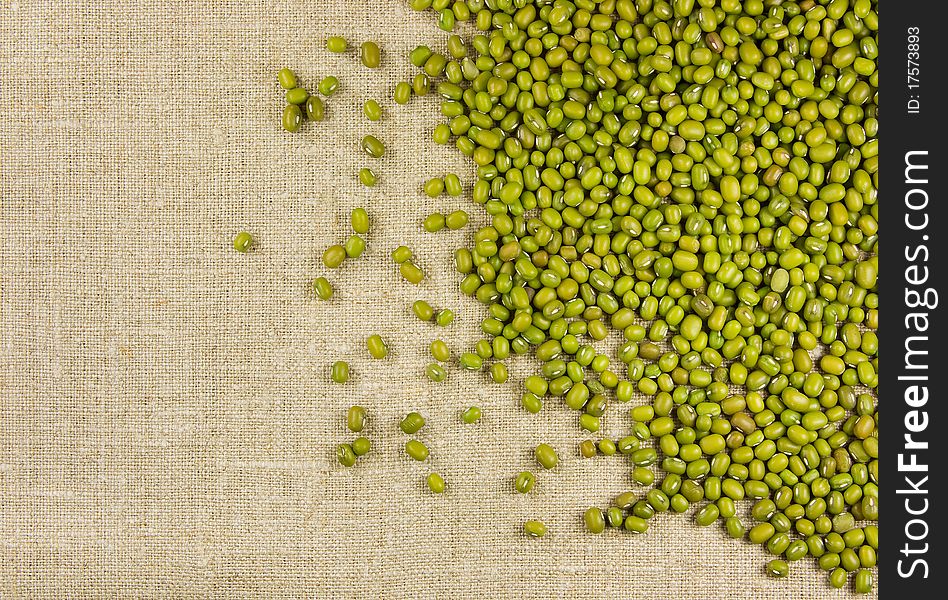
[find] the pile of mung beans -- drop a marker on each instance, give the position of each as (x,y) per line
(700,179)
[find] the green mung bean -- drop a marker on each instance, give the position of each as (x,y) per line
(524,482)
(334,256)
(704,181)
(534,529)
(292,118)
(372,110)
(471,415)
(439,349)
(433,187)
(361,446)
(354,246)
(416,450)
(323,288)
(457,220)
(402,93)
(328,85)
(286,78)
(315,109)
(372,146)
(368,177)
(371,55)
(411,272)
(412,423)
(546,456)
(435,483)
(864,582)
(377,348)
(336,44)
(355,418)
(635,524)
(436,372)
(587,448)
(498,372)
(345,455)
(452,185)
(434,222)
(420,84)
(594,520)
(778,568)
(340,372)
(471,361)
(296,96)
(400,255)
(243,241)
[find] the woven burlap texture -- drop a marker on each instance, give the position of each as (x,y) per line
(167,426)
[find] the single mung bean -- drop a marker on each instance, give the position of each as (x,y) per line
(587,448)
(534,529)
(292,118)
(315,109)
(436,372)
(355,418)
(524,482)
(359,219)
(735,528)
(435,483)
(498,372)
(345,455)
(433,223)
(838,577)
(778,568)
(635,524)
(286,78)
(400,255)
(546,456)
(456,219)
(863,581)
(377,348)
(322,288)
(402,92)
(412,423)
(336,44)
(361,446)
(420,84)
(452,185)
(607,447)
(296,96)
(355,246)
(328,86)
(471,415)
(372,110)
(471,361)
(340,372)
(243,242)
(416,450)
(411,272)
(371,55)
(531,402)
(372,146)
(439,349)
(707,515)
(334,256)
(368,177)
(594,520)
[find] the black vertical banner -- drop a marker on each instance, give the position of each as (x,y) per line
(913,269)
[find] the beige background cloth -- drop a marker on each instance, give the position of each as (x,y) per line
(167,423)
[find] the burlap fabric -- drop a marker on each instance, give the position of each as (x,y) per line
(167,421)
